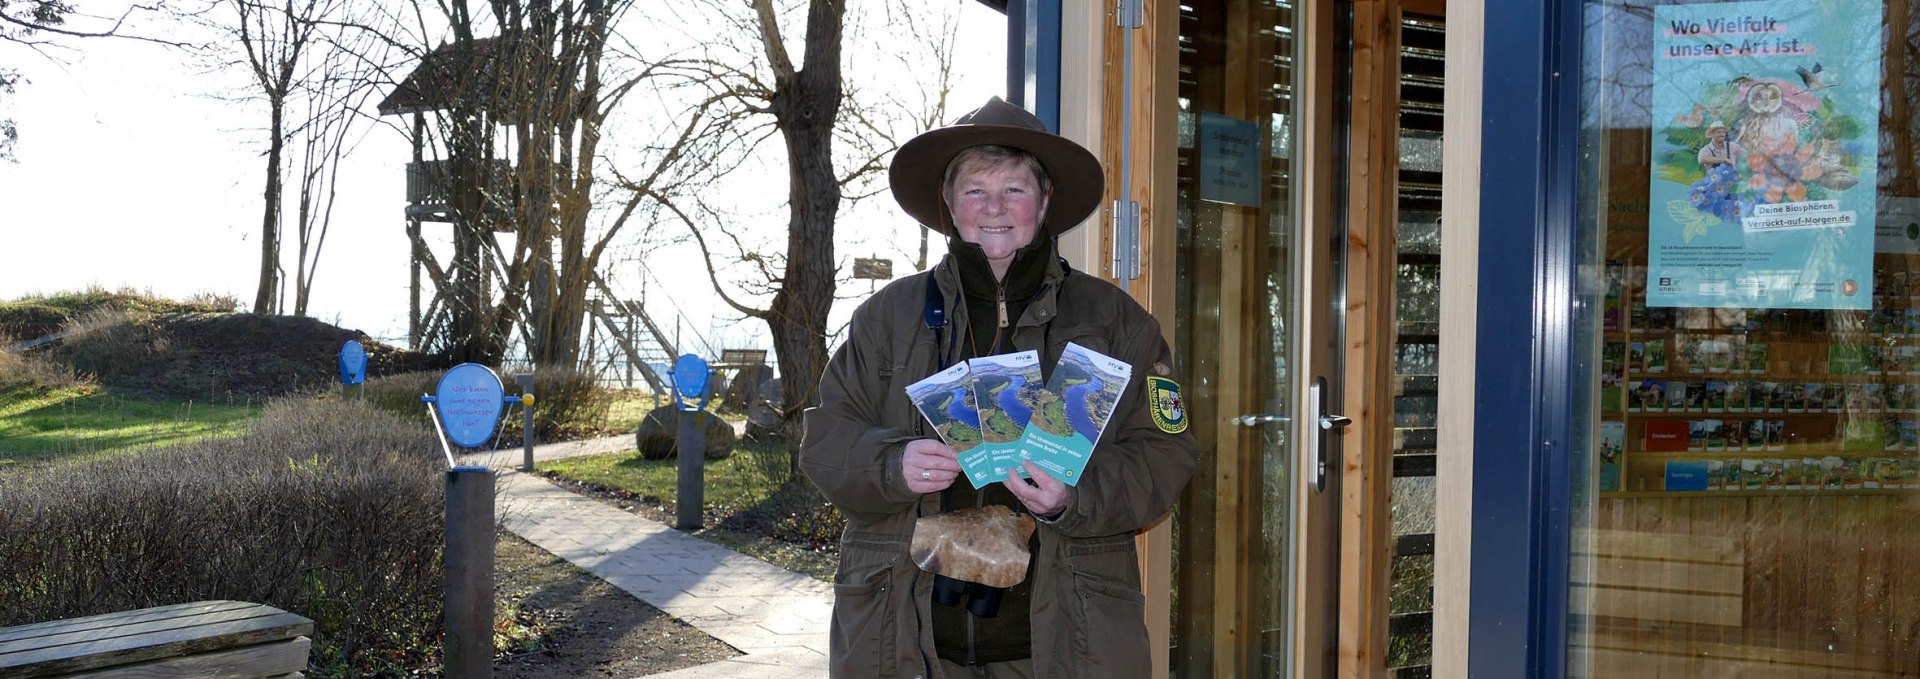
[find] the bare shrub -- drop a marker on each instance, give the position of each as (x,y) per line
(35,372)
(400,394)
(212,301)
(328,509)
(567,403)
(108,344)
(28,319)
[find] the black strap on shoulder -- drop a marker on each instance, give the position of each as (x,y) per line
(936,308)
(935,313)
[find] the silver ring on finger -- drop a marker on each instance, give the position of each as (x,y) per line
(926,475)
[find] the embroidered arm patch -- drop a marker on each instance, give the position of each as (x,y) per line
(1163,401)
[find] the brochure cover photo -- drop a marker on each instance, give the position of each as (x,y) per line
(946,400)
(1007,388)
(1073,410)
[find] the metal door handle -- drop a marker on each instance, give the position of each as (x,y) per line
(1260,419)
(1317,402)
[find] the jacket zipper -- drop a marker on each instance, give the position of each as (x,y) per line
(1000,300)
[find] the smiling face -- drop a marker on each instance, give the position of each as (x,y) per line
(997,203)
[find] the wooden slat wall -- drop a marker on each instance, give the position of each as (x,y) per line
(1826,587)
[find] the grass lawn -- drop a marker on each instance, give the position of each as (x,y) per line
(627,408)
(44,425)
(750,505)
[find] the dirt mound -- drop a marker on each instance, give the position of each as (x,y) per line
(40,315)
(219,356)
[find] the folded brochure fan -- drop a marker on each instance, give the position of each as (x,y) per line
(994,412)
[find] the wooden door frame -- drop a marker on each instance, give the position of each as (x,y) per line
(1459,318)
(1366,448)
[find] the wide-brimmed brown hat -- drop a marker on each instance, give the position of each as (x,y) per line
(919,165)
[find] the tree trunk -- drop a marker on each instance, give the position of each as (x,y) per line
(263,298)
(806,108)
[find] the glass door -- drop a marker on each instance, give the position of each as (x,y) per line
(1288,196)
(1244,335)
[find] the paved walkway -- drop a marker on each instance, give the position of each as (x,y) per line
(777,618)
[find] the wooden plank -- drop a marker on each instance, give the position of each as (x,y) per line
(1771,535)
(1715,520)
(1664,516)
(1366,448)
(1844,567)
(1875,639)
(279,658)
(64,625)
(1633,544)
(1701,578)
(1904,581)
(101,641)
(1637,663)
(1812,657)
(108,634)
(1665,606)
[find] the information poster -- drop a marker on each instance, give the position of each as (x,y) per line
(1764,154)
(1229,160)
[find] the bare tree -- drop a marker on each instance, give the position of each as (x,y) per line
(334,92)
(539,91)
(835,139)
(274,35)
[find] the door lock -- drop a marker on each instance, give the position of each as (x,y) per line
(1317,403)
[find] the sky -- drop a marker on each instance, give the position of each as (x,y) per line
(133,171)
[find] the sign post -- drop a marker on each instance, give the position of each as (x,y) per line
(353,367)
(468,561)
(690,374)
(526,419)
(471,397)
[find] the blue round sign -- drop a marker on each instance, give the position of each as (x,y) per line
(353,363)
(690,377)
(471,399)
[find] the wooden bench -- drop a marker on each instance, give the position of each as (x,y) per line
(201,639)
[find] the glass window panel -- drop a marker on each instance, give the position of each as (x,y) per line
(1754,470)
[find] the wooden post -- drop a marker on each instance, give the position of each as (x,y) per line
(469,573)
(692,442)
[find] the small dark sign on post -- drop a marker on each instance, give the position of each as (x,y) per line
(873,268)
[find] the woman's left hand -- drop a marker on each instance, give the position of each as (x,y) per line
(1044,496)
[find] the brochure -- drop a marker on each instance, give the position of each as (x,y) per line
(946,400)
(1613,439)
(1007,388)
(1073,411)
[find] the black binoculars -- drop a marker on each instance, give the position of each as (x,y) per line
(982,601)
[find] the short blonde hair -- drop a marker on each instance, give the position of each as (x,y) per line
(991,156)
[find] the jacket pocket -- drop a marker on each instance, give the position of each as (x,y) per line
(863,627)
(1112,634)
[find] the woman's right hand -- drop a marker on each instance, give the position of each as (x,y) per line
(929,466)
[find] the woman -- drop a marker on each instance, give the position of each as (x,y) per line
(1001,188)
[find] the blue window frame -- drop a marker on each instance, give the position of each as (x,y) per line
(1531,257)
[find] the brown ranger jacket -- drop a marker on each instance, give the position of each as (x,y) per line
(1088,612)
